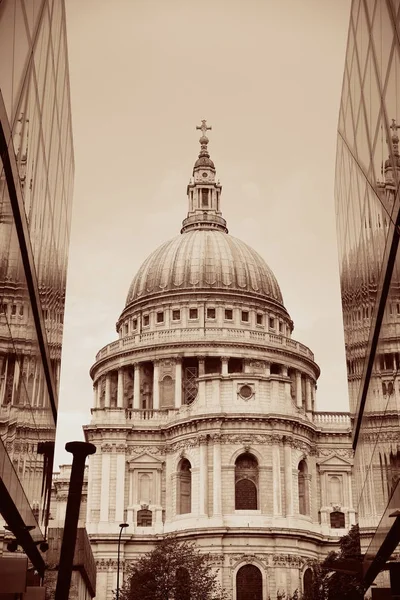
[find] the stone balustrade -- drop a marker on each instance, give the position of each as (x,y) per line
(200,334)
(122,415)
(332,419)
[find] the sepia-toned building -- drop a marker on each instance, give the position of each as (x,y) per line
(367,212)
(36,182)
(204,417)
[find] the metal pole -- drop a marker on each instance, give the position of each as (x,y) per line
(122,526)
(79,450)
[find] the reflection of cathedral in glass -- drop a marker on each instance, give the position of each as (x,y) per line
(35,210)
(367,212)
(205,416)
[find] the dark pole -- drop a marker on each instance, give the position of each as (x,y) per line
(122,526)
(79,450)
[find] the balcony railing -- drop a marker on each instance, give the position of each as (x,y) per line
(211,334)
(332,419)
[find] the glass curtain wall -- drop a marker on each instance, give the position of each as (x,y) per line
(36,181)
(367,215)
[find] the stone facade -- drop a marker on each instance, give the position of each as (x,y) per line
(204,416)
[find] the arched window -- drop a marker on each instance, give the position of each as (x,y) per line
(338,520)
(308,580)
(304,504)
(246,482)
(335,490)
(184,495)
(249,583)
(167,392)
(144,518)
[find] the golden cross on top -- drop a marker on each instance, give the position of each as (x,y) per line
(394,126)
(203,127)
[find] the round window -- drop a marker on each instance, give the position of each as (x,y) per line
(246,391)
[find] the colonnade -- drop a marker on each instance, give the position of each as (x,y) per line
(304,385)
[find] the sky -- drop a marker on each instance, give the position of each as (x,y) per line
(267,76)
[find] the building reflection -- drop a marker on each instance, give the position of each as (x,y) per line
(36,180)
(367,213)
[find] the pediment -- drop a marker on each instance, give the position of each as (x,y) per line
(335,462)
(145,458)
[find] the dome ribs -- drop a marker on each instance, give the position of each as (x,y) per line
(201,260)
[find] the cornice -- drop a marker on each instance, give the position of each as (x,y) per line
(284,424)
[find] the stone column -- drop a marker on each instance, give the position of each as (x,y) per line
(136,386)
(120,390)
(98,387)
(203,490)
(308,395)
(120,485)
(217,476)
(178,383)
(288,478)
(156,385)
(202,384)
(108,390)
(201,365)
(267,369)
(105,483)
(276,483)
(224,365)
(95,405)
(299,399)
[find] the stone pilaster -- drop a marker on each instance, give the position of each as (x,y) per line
(105,483)
(120,485)
(277,484)
(203,490)
(287,451)
(156,385)
(178,383)
(136,386)
(217,476)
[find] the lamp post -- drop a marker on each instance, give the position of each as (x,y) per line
(121,527)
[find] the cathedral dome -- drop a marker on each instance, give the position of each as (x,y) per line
(204,259)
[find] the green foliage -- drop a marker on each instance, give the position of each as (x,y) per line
(342,585)
(328,584)
(174,570)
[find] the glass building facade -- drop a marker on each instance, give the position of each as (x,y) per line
(368,219)
(36,182)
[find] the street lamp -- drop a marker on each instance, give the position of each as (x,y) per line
(121,527)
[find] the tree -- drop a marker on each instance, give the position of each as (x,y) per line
(331,584)
(174,570)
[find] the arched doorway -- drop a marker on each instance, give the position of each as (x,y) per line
(249,583)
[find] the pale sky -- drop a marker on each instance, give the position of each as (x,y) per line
(267,76)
